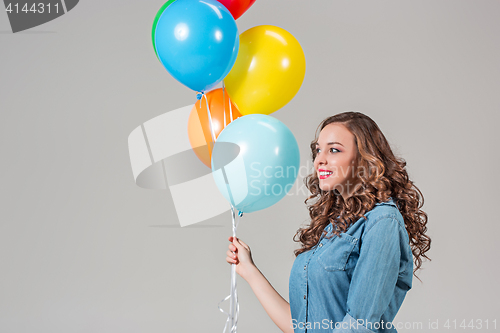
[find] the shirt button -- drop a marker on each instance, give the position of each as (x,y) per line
(305,266)
(320,245)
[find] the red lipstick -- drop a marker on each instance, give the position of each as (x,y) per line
(324,176)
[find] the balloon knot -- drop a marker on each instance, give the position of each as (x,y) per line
(240,214)
(199,96)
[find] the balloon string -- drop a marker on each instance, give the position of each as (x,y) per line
(230,109)
(234,307)
(224,103)
(203,95)
(229,101)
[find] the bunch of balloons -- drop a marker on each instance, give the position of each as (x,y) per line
(261,70)
(254,157)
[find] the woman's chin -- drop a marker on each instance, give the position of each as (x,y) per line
(325,187)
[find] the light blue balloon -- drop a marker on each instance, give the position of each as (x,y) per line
(255,162)
(197,41)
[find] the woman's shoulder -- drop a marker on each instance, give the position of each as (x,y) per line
(384,210)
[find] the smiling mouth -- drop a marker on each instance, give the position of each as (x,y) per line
(325,176)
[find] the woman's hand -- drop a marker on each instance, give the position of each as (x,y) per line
(240,255)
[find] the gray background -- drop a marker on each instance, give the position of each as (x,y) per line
(83,249)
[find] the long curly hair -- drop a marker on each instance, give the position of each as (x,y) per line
(384,176)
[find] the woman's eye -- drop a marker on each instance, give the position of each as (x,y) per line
(330,149)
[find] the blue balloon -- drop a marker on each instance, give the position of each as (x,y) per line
(255,162)
(197,41)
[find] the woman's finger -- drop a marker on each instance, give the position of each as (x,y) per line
(243,243)
(231,260)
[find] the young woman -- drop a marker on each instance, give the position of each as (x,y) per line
(355,264)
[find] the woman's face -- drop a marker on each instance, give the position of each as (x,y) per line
(337,155)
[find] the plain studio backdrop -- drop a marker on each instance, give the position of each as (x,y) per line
(84,249)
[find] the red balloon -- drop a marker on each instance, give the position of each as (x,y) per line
(237,7)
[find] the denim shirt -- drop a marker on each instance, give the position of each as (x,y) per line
(355,282)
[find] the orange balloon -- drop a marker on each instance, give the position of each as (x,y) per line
(200,136)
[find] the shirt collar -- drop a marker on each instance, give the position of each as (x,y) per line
(388,202)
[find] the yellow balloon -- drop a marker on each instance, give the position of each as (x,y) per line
(268,71)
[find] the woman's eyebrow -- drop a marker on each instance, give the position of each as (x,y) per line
(331,143)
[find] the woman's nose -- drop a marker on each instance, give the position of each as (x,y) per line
(320,158)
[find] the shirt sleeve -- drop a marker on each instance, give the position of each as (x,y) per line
(374,278)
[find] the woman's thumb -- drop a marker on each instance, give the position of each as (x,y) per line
(241,243)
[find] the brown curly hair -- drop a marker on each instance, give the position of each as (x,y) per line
(386,177)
